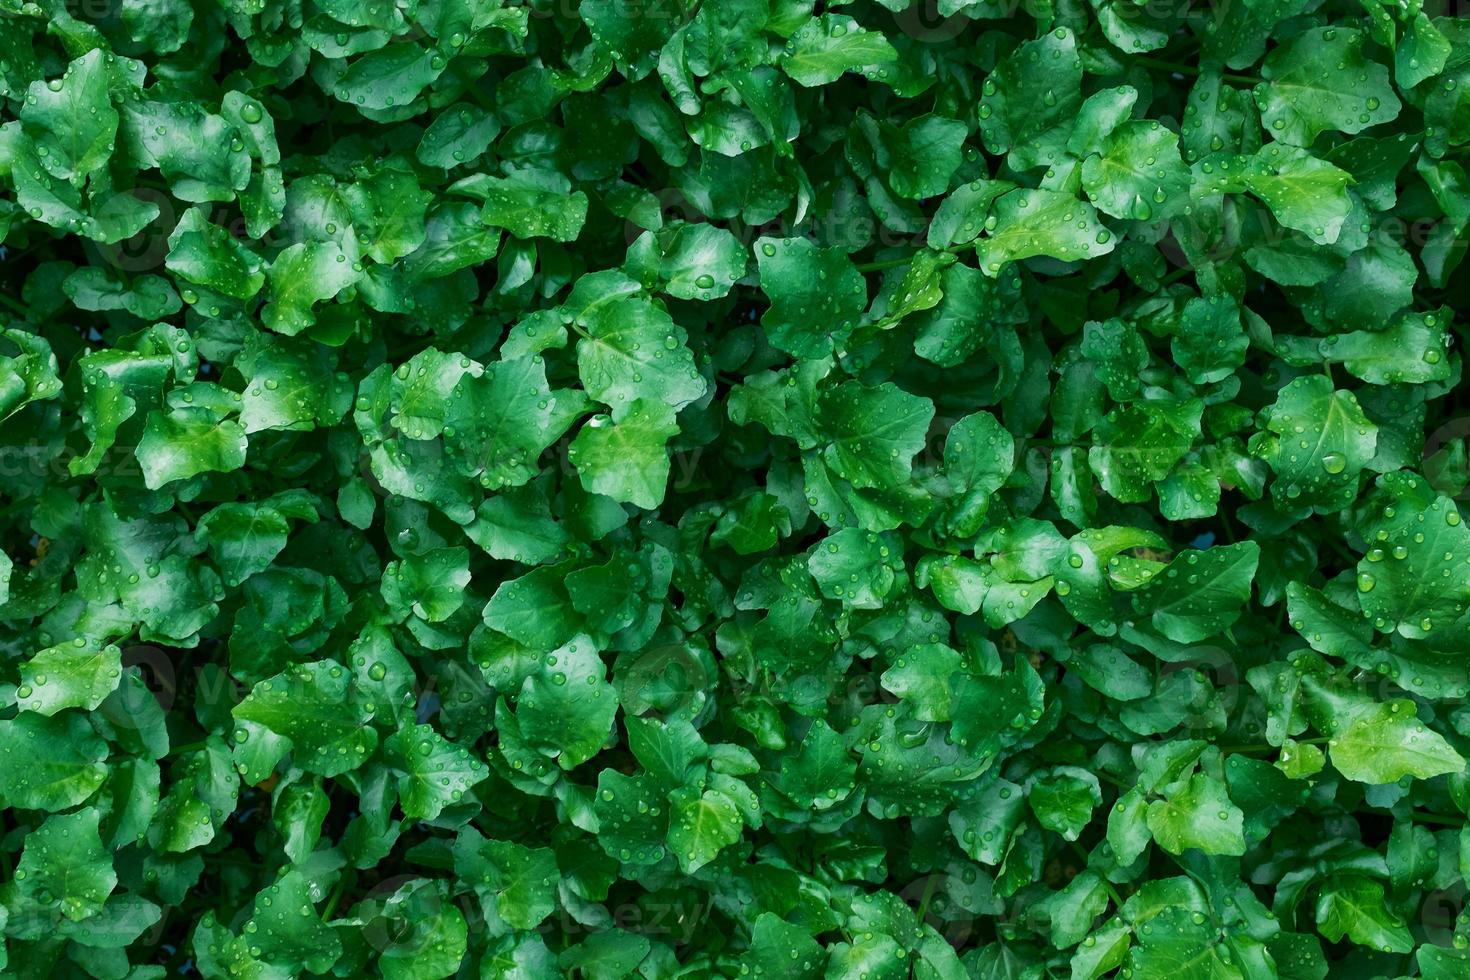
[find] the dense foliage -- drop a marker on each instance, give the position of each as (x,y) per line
(658,488)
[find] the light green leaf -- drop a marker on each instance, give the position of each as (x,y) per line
(825,47)
(65,864)
(1321,80)
(1029,223)
(872,434)
(71,118)
(69,675)
(567,706)
(1386,742)
(184,444)
(50,763)
(1199,816)
(1317,441)
(626,459)
(631,349)
(1305,193)
(700,826)
(391,76)
(529,203)
(308,708)
(1136,172)
(433,773)
(1200,593)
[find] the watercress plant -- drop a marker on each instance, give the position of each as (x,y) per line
(659,488)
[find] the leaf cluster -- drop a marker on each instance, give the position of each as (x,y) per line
(657,488)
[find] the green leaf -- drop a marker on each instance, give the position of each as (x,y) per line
(433,772)
(70,675)
(984,825)
(455,238)
(290,385)
(529,203)
(148,297)
(1417,537)
(921,677)
(286,928)
(243,539)
(50,763)
(855,567)
(1200,593)
(307,709)
(871,435)
(206,255)
(777,946)
(1211,344)
(606,955)
(1409,351)
(819,774)
(195,149)
(1199,816)
(28,376)
(1352,906)
(183,444)
(298,812)
(1385,742)
(626,459)
(1029,223)
(1031,98)
(1438,963)
(457,137)
(1305,193)
(1321,80)
(71,118)
(516,884)
(688,261)
(632,32)
(304,275)
(1174,945)
(567,706)
(922,155)
(64,865)
(1136,172)
(1141,443)
(824,47)
(534,609)
(631,350)
(1063,801)
(816,295)
(431,586)
(1318,441)
(700,826)
(391,76)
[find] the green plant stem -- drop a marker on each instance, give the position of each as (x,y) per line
(1439,819)
(1107,885)
(337,891)
(928,894)
(11,303)
(1193,71)
(1268,747)
(885,264)
(1175,276)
